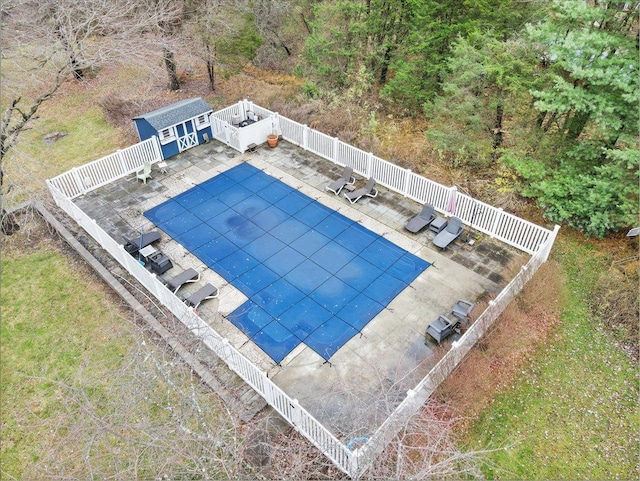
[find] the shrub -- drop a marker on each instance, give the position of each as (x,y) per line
(311,90)
(595,192)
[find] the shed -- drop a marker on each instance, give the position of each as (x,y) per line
(178,126)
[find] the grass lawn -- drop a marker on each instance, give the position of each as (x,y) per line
(573,412)
(74,110)
(83,392)
(56,328)
(83,395)
(88,138)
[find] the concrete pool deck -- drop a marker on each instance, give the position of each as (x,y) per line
(365,380)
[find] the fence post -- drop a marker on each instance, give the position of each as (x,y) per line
(407,180)
(549,244)
(79,183)
(353,464)
(123,163)
(241,109)
(225,134)
(276,124)
(157,286)
(496,222)
(225,349)
(156,148)
(295,414)
(267,389)
(334,154)
(95,231)
(369,162)
(305,137)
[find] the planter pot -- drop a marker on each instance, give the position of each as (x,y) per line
(272,140)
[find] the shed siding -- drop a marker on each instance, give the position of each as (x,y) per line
(145,130)
(181,117)
(170,149)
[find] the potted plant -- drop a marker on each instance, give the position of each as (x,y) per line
(272,140)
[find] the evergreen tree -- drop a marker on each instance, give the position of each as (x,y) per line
(486,81)
(589,53)
(435,27)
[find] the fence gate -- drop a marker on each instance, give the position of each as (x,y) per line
(218,127)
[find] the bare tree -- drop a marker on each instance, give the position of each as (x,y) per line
(41,71)
(90,33)
(86,34)
(425,446)
(207,23)
(213,25)
(168,17)
(47,41)
(15,120)
(154,421)
(157,421)
(270,15)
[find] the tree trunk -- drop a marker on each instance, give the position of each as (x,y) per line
(174,81)
(551,120)
(384,68)
(497,127)
(575,125)
(211,72)
(78,72)
(282,44)
(286,49)
(306,23)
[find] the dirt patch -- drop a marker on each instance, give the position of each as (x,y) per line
(286,454)
(616,303)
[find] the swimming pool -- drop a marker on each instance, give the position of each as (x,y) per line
(311,275)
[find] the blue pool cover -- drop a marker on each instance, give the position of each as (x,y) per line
(311,275)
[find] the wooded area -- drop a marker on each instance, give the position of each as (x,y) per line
(544,92)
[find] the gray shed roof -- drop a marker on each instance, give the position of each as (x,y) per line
(176,113)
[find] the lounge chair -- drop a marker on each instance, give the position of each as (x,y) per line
(144,172)
(421,220)
(208,291)
(462,309)
(134,245)
(368,190)
(347,178)
(441,328)
(450,233)
(176,282)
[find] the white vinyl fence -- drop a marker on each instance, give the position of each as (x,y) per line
(478,215)
(417,396)
(509,228)
(240,138)
(83,179)
(288,407)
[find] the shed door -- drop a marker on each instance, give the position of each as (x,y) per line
(189,138)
